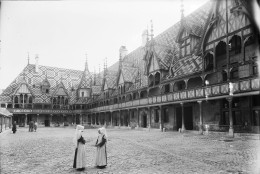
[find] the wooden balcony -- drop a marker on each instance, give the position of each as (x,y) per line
(211,91)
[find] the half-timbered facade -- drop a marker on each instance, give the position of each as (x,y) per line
(201,71)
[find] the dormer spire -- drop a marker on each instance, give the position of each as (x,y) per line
(28,58)
(86,63)
(182,11)
(152,29)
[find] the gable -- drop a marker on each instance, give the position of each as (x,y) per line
(60,91)
(121,79)
(153,65)
(23,89)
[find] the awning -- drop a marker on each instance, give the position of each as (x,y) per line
(5,112)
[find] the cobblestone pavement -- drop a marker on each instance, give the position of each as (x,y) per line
(50,150)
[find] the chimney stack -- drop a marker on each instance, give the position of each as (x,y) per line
(123,52)
(36,63)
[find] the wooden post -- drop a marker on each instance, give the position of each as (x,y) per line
(201,120)
(231,129)
(182,118)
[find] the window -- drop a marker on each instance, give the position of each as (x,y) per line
(82,94)
(47,91)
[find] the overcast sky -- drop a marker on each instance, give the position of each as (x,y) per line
(62,32)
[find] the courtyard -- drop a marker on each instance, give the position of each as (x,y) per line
(50,150)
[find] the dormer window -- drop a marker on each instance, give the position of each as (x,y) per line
(185,47)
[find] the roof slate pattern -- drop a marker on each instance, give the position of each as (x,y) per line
(163,46)
(70,79)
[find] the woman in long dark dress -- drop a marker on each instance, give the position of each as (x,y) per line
(80,154)
(14,127)
(101,155)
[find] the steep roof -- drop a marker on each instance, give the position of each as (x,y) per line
(70,79)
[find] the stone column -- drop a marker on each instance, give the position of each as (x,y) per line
(23,100)
(161,118)
(137,117)
(91,119)
(111,113)
(231,129)
(51,124)
(182,118)
(25,120)
(119,118)
(149,118)
(95,115)
(201,120)
(37,118)
(129,117)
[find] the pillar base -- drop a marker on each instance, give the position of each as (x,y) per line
(183,129)
(231,132)
(201,130)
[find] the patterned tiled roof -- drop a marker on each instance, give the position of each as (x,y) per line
(70,78)
(187,65)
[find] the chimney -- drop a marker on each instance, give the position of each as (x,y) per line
(144,37)
(123,52)
(36,63)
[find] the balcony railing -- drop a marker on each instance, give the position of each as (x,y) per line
(188,94)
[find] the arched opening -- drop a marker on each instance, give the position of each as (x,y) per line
(119,90)
(157,79)
(166,88)
(221,54)
(211,78)
(224,76)
(21,98)
(129,97)
(66,101)
(119,100)
(143,94)
(30,99)
(249,48)
(123,99)
(135,95)
(150,80)
(180,85)
(208,62)
(16,99)
(235,45)
(194,83)
(115,100)
(154,91)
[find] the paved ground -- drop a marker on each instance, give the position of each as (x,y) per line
(50,150)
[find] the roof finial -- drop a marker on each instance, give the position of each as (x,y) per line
(182,10)
(86,64)
(104,67)
(151,29)
(28,58)
(94,75)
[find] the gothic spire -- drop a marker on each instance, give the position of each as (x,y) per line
(86,63)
